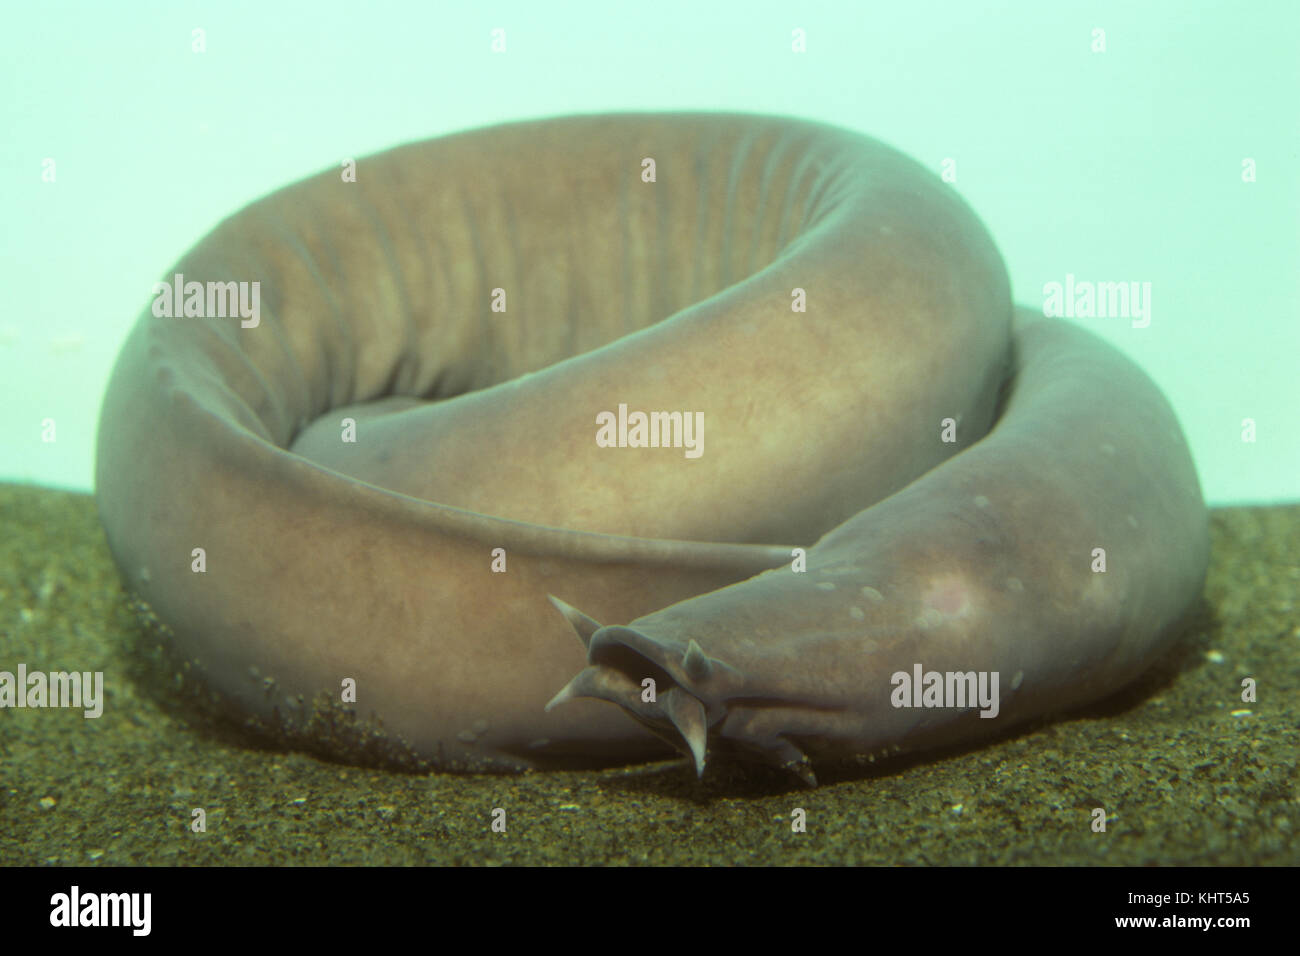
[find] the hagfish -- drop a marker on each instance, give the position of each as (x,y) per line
(356,514)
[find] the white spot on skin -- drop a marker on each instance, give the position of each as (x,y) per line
(857,613)
(981,501)
(1017,680)
(1107,448)
(1214,657)
(825,586)
(1132,522)
(1015,584)
(871,594)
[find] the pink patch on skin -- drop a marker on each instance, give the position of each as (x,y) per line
(949,596)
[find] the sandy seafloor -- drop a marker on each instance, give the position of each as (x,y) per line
(1186,772)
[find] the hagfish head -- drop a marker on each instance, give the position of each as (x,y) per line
(677,691)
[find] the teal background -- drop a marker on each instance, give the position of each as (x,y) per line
(1115,166)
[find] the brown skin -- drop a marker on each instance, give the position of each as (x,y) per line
(372,561)
(984,564)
